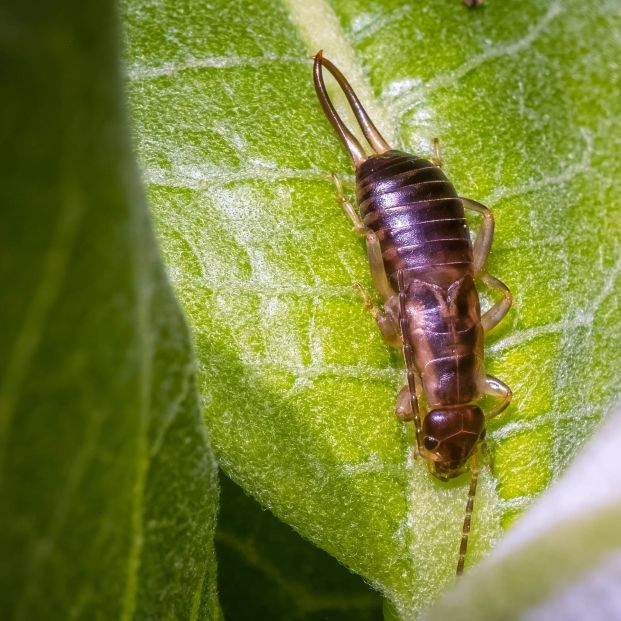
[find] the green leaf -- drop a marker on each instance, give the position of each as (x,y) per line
(563,557)
(267,571)
(297,384)
(108,483)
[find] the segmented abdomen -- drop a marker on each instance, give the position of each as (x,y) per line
(415,212)
(419,220)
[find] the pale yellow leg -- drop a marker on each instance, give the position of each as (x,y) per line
(495,388)
(481,248)
(436,160)
(388,326)
(496,313)
(374,250)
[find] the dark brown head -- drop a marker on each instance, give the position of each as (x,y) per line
(450,436)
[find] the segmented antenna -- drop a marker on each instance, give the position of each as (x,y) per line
(463,546)
(369,130)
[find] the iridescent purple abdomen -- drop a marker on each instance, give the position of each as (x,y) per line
(415,212)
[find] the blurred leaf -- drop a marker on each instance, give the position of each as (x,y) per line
(267,571)
(108,484)
(298,386)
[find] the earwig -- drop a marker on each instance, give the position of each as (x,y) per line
(424,265)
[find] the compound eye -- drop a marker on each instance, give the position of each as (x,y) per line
(430,443)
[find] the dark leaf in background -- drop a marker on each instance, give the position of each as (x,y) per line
(108,484)
(267,571)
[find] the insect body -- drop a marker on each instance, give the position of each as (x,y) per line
(425,267)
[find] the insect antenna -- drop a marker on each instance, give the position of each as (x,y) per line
(409,359)
(369,130)
(463,546)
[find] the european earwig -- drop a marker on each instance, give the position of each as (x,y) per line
(424,265)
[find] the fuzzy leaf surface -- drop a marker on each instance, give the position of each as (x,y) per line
(297,384)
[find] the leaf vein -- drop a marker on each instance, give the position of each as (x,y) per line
(140,72)
(54,268)
(412,96)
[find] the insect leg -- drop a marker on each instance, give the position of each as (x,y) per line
(348,208)
(389,326)
(403,407)
(436,160)
(495,388)
(374,250)
(408,354)
(376,264)
(496,313)
(481,248)
(385,320)
(485,236)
